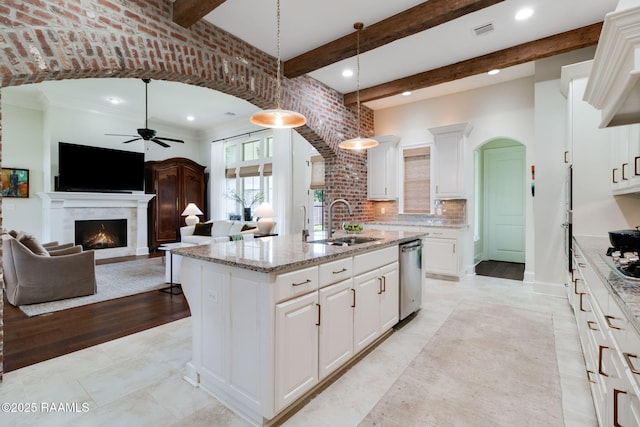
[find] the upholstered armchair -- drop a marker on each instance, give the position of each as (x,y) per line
(32,277)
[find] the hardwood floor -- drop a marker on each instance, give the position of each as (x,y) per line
(504,270)
(29,340)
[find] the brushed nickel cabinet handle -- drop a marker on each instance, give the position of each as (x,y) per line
(384,283)
(624,175)
(636,169)
(590,324)
(627,358)
(616,392)
(339,271)
(609,324)
(379,285)
(589,376)
(582,265)
(575,286)
(573,274)
(600,351)
(581,300)
(354,298)
(319,308)
(301,283)
(566,153)
(613,176)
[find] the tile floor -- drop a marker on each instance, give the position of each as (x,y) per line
(137,380)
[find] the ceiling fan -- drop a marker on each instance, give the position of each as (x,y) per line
(145,133)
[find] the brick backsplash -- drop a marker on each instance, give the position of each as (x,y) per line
(452,211)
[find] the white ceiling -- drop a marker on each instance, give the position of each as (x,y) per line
(307,24)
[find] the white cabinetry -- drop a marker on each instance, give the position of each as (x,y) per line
(336,333)
(441,254)
(382,169)
(448,160)
(625,159)
(611,346)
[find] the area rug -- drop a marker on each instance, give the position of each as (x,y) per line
(114,280)
(476,371)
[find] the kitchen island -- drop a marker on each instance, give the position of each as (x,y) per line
(275,318)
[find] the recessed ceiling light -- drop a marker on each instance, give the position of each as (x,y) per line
(493,72)
(523,14)
(114,100)
(190,118)
(406,93)
(347,73)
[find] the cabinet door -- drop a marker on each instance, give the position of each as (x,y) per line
(381,172)
(167,194)
(296,348)
(440,256)
(336,331)
(193,187)
(449,179)
(390,297)
(366,313)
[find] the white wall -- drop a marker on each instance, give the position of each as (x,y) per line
(22,148)
(499,111)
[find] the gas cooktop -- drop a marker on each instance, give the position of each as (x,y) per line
(625,262)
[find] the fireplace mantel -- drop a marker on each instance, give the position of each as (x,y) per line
(61,209)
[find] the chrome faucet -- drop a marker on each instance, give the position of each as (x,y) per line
(305,231)
(329,220)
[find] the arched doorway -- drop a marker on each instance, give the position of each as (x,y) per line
(500,208)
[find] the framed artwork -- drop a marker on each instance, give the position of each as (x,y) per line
(15,182)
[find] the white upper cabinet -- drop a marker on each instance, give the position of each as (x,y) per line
(448,160)
(382,169)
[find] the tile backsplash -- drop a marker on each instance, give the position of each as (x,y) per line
(450,210)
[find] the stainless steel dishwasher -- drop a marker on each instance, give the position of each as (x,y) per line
(410,277)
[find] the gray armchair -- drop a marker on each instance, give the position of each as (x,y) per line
(30,278)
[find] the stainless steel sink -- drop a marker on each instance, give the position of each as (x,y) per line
(346,241)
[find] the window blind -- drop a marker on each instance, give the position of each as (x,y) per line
(246,171)
(417,180)
(317,172)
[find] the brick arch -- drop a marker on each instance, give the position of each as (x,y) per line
(47,40)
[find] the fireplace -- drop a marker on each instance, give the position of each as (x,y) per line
(101,233)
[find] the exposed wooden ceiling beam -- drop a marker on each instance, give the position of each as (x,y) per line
(411,21)
(526,52)
(188,12)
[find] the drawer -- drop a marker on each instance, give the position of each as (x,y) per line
(375,259)
(441,233)
(335,271)
(296,283)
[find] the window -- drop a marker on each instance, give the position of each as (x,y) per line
(248,172)
(417,180)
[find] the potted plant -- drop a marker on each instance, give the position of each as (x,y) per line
(247,202)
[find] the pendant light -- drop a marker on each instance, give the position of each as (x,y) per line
(278,118)
(358,143)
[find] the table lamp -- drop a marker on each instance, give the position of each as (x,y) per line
(190,212)
(265,213)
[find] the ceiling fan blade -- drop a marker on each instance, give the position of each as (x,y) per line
(131,140)
(157,141)
(118,134)
(170,139)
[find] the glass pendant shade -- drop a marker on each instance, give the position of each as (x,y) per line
(358,144)
(279,119)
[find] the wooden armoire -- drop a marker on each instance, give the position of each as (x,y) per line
(175,182)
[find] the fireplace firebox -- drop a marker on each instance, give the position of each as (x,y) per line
(101,233)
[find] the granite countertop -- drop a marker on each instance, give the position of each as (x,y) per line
(626,291)
(289,252)
(419,223)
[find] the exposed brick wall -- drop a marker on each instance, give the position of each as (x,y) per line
(68,39)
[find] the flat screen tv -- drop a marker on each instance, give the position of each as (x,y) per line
(98,169)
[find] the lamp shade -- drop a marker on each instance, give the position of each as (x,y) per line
(264,210)
(358,143)
(190,212)
(278,119)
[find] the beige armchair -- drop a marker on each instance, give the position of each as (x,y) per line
(31,278)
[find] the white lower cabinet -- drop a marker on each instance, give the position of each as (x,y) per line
(441,256)
(336,335)
(610,345)
(296,348)
(376,304)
